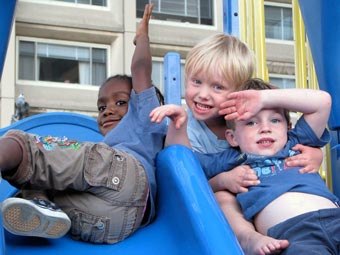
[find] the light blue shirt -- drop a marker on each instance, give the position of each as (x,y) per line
(202,139)
(140,137)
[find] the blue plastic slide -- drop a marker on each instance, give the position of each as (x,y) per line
(6,18)
(189,220)
(322,22)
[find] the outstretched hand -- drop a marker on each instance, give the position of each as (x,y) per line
(177,114)
(241,105)
(143,28)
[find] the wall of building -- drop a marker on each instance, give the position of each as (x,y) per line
(113,26)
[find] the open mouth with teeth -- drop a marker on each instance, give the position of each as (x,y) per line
(202,107)
(265,142)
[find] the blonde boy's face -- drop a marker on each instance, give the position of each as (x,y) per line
(264,134)
(204,94)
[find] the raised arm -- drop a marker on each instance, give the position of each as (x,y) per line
(177,131)
(141,65)
(314,104)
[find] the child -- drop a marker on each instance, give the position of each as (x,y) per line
(286,204)
(215,67)
(107,189)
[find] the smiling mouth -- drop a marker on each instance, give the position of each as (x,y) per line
(265,142)
(109,123)
(202,107)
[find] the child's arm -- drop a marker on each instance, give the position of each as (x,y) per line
(314,104)
(141,65)
(177,131)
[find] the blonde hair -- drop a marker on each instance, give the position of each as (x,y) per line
(226,54)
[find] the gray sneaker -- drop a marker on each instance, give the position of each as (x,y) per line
(35,217)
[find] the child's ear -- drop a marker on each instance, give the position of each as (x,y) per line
(229,135)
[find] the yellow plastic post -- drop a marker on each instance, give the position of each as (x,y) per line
(259,40)
(303,56)
(252,31)
(300,47)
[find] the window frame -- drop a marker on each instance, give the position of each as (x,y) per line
(59,42)
(182,20)
(282,76)
(279,5)
(72,5)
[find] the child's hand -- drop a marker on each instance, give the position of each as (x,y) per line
(177,114)
(143,28)
(236,180)
(310,159)
(241,105)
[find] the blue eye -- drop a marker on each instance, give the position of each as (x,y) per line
(275,121)
(218,87)
(196,81)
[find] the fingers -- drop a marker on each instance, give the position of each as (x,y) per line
(227,107)
(307,170)
(158,114)
(143,28)
(231,116)
(300,161)
(148,11)
(176,113)
(296,161)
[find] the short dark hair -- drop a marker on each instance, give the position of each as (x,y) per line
(128,80)
(119,77)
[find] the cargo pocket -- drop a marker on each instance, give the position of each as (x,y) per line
(106,167)
(89,228)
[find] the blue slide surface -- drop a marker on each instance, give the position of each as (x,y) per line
(322,19)
(189,220)
(6,16)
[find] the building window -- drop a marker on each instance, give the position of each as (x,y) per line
(191,11)
(90,2)
(278,22)
(284,82)
(40,61)
(158,76)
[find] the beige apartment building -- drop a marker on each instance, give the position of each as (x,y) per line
(60,51)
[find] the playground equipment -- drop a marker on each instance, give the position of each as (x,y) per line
(322,27)
(189,220)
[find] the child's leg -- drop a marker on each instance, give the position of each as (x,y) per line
(251,241)
(103,190)
(34,215)
(10,155)
(112,211)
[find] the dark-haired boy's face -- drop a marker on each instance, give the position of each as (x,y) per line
(263,134)
(112,104)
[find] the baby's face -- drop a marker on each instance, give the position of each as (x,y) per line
(205,93)
(263,134)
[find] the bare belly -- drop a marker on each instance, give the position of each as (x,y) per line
(289,205)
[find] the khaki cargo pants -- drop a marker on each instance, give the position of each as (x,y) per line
(104,191)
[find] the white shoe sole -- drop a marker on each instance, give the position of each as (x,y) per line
(23,217)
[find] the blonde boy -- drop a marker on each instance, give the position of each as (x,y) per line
(215,67)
